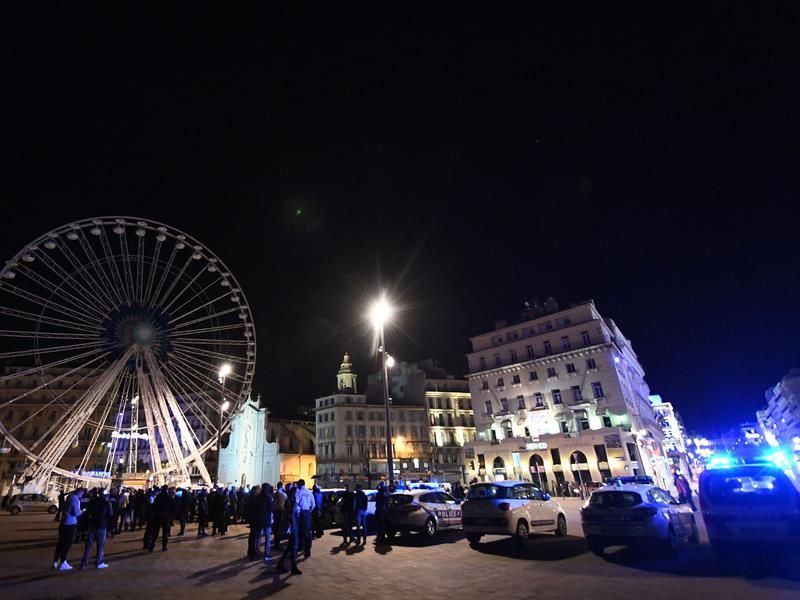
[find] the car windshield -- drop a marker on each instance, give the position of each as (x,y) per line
(615,499)
(477,492)
(755,485)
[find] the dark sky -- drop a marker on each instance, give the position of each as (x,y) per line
(466,160)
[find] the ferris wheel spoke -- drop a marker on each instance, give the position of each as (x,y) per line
(209,354)
(94,260)
(127,275)
(140,269)
(49,381)
(183,383)
(199,373)
(185,333)
(214,342)
(46,335)
(183,290)
(72,281)
(49,286)
(45,303)
(211,367)
(96,433)
(108,253)
(51,349)
(202,306)
(164,273)
(175,279)
(83,271)
(28,316)
(208,317)
(153,269)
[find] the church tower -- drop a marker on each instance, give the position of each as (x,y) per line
(346,378)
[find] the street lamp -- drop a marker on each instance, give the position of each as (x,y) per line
(224,371)
(380,313)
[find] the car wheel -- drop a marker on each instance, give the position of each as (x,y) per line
(430,527)
(596,547)
(15,510)
(52,510)
(474,538)
(522,534)
(561,528)
(671,544)
(694,537)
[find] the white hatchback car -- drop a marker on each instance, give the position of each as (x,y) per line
(623,515)
(514,508)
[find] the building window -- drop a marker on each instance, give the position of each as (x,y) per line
(360,415)
(548,349)
(585,338)
(529,350)
(551,372)
(590,364)
(564,427)
(349,450)
(597,389)
(483,363)
(402,414)
(520,403)
(584,423)
(571,368)
(349,431)
(497,361)
(538,400)
(503,404)
(606,421)
(500,382)
(556,396)
(533,376)
(488,407)
(576,393)
(513,354)
(349,415)
(515,379)
(372,431)
(565,343)
(484,385)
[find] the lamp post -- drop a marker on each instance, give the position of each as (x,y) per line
(224,371)
(380,313)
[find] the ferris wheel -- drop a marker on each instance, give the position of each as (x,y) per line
(122,341)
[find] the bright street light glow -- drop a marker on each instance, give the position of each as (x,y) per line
(389,361)
(380,312)
(225,405)
(225,370)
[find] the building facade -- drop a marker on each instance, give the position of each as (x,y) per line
(779,421)
(560,396)
(675,444)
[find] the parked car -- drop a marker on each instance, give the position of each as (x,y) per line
(637,515)
(330,497)
(32,503)
(514,508)
(339,520)
(426,511)
(751,507)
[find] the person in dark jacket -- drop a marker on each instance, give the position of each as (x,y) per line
(66,529)
(267,503)
(317,514)
(381,510)
(101,518)
(62,498)
(255,522)
(163,509)
(139,507)
(290,527)
(202,513)
(182,508)
(348,513)
(360,505)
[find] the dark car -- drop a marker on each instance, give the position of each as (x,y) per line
(330,498)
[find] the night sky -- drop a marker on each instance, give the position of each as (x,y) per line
(466,161)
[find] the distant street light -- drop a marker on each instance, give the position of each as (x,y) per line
(380,313)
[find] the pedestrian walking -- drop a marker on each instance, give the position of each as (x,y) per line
(348,513)
(317,514)
(360,504)
(305,503)
(101,517)
(67,529)
(381,510)
(202,513)
(290,525)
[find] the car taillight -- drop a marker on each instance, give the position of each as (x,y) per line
(504,506)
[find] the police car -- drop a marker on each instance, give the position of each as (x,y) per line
(637,514)
(424,510)
(753,506)
(514,508)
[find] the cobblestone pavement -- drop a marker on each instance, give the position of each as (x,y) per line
(410,567)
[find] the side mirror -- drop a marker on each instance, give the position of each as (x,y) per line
(546,496)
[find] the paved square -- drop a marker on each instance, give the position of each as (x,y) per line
(411,567)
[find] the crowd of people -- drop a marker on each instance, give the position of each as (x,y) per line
(284,514)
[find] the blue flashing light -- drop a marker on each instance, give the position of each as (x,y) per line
(779,459)
(720,460)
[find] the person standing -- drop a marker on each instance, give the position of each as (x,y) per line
(305,504)
(202,513)
(318,502)
(290,526)
(139,509)
(62,499)
(122,509)
(163,509)
(66,529)
(684,490)
(101,516)
(348,513)
(255,522)
(360,504)
(267,519)
(182,508)
(278,501)
(381,509)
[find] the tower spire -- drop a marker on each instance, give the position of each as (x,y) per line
(346,378)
